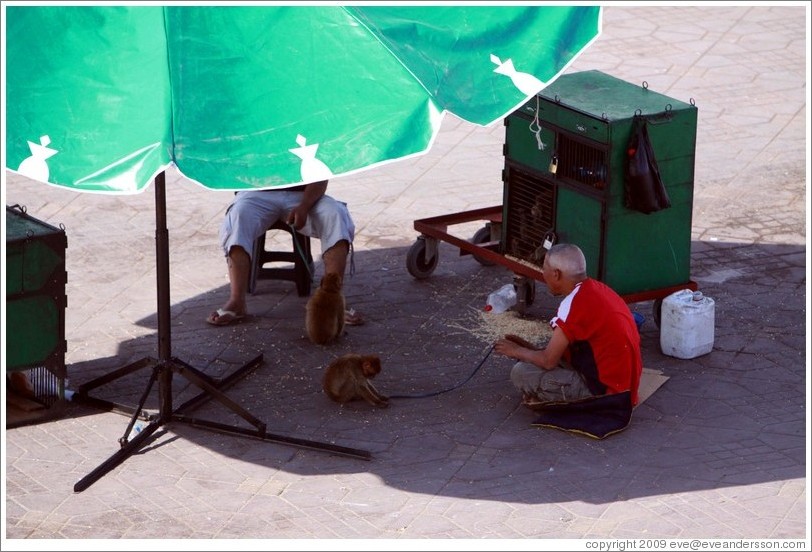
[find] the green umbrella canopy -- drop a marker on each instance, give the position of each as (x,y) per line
(101,99)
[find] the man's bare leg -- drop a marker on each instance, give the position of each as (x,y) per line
(335,260)
(239,267)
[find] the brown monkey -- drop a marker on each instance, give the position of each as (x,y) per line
(325,311)
(347,378)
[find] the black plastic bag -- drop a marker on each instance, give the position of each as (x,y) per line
(644,189)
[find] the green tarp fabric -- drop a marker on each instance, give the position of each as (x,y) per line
(102,98)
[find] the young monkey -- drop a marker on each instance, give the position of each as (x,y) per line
(347,378)
(325,311)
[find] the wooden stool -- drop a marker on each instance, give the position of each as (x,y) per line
(300,272)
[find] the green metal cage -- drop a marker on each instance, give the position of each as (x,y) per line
(565,152)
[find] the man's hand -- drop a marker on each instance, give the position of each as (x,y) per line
(508,348)
(513,346)
(312,193)
(547,358)
(297,217)
(519,341)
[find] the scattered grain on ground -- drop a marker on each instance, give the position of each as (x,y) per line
(488,327)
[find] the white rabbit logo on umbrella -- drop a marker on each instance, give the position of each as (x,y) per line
(525,82)
(35,166)
(312,169)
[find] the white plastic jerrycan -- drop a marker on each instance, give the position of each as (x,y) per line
(687,324)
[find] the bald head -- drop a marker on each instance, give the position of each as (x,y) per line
(569,259)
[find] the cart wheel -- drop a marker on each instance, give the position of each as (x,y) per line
(483,235)
(416,262)
(657,310)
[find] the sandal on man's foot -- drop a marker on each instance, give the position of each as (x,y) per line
(223,317)
(353,318)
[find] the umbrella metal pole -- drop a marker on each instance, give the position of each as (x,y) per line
(164,369)
(163,301)
(162,266)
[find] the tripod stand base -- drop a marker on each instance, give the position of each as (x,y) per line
(164,369)
(163,372)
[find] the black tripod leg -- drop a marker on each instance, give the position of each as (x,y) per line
(82,392)
(114,375)
(124,438)
(274,438)
(204,382)
(117,458)
(260,433)
(222,384)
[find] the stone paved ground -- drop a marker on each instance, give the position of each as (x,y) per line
(720,451)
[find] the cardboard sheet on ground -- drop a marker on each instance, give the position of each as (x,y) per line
(598,417)
(650,381)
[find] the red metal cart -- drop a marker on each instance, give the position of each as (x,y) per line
(423,256)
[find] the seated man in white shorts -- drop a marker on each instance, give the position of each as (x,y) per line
(308,209)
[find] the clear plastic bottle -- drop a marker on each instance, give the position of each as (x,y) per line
(502,299)
(137,428)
